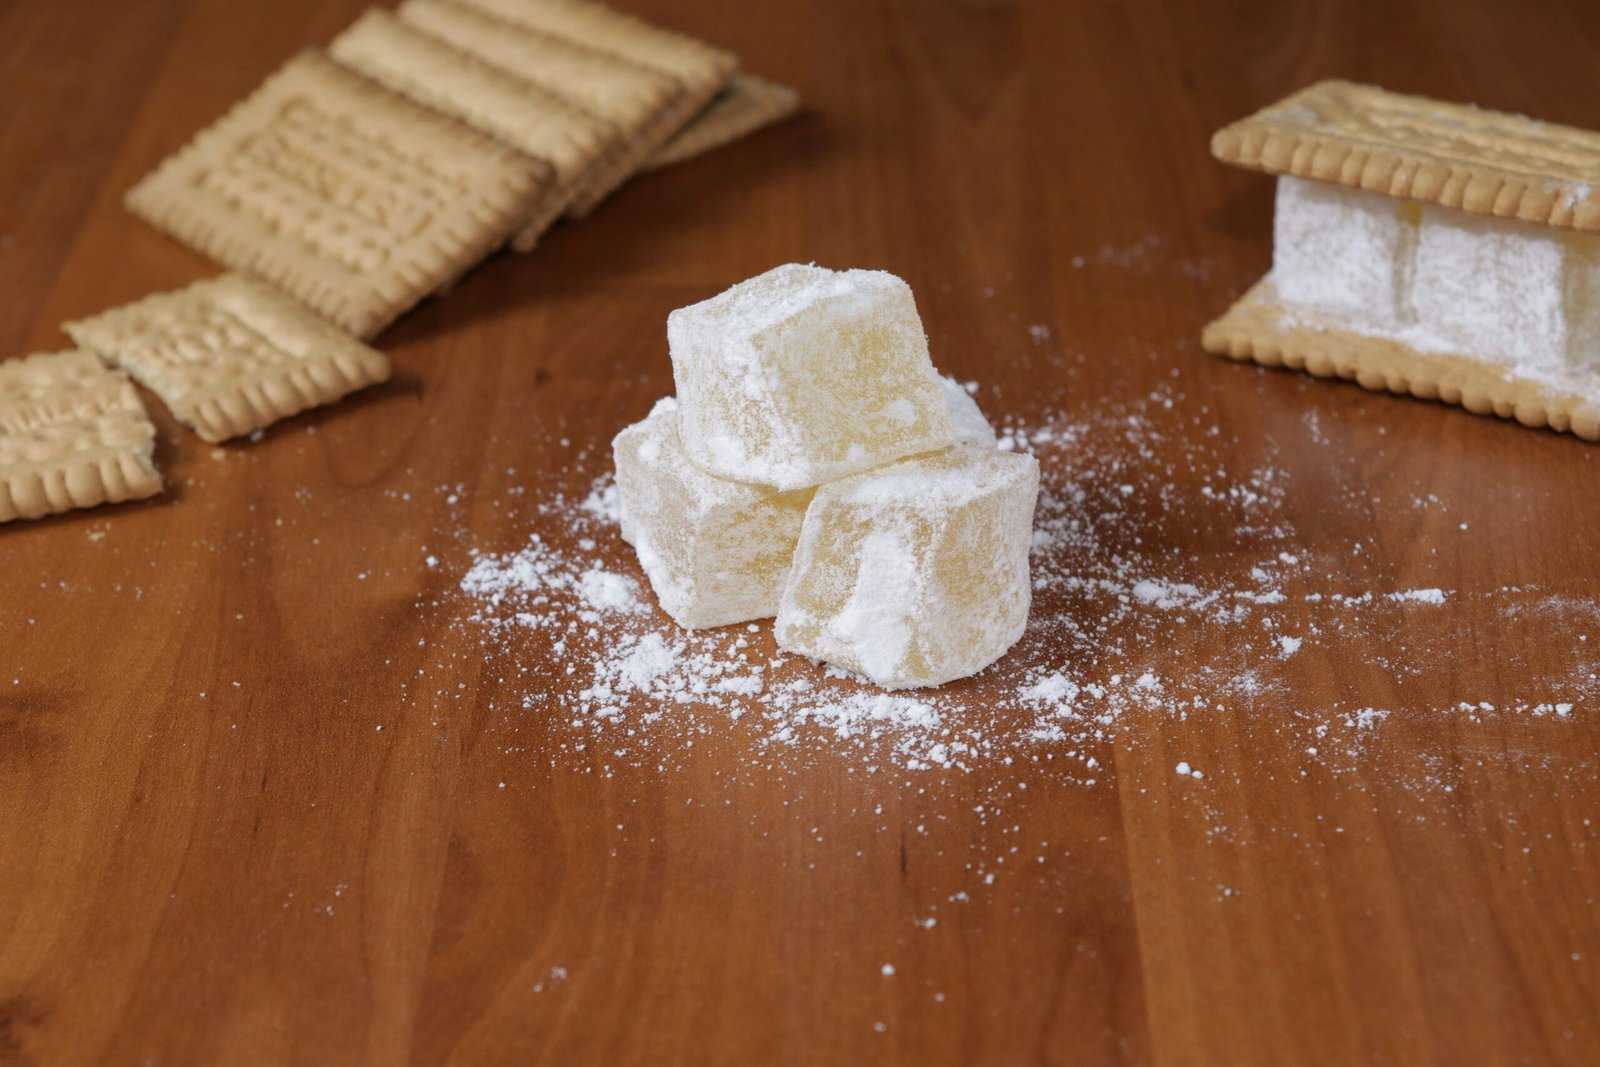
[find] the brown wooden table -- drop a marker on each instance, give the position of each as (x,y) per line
(209,853)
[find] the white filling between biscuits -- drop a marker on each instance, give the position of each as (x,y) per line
(1439,280)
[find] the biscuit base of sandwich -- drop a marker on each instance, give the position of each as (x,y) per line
(1263,329)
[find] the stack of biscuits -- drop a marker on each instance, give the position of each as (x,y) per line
(353,183)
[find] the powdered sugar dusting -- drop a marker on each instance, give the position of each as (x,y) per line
(1419,596)
(1104,660)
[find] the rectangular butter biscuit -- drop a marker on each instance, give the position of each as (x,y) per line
(231,355)
(73,434)
(647,105)
(701,68)
(511,109)
(1455,155)
(747,104)
(355,200)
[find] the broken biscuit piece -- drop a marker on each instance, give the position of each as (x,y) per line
(231,355)
(73,434)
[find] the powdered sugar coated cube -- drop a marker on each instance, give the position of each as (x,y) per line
(802,375)
(1507,290)
(1343,252)
(644,440)
(917,573)
(716,551)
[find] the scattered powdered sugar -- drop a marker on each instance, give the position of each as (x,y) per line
(538,577)
(602,504)
(604,591)
(1420,596)
(657,681)
(1130,629)
(1572,194)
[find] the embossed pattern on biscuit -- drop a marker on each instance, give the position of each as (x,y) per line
(73,434)
(355,200)
(231,355)
(348,195)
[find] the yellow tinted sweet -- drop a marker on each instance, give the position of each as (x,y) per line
(803,375)
(917,573)
(716,551)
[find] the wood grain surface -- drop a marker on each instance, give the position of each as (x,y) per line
(251,757)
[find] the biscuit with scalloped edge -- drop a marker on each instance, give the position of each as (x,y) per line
(1455,155)
(231,355)
(353,199)
(1261,328)
(73,434)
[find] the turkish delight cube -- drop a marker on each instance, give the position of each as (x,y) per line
(803,375)
(716,551)
(1508,291)
(915,574)
(1343,252)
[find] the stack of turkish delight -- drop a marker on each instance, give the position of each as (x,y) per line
(814,467)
